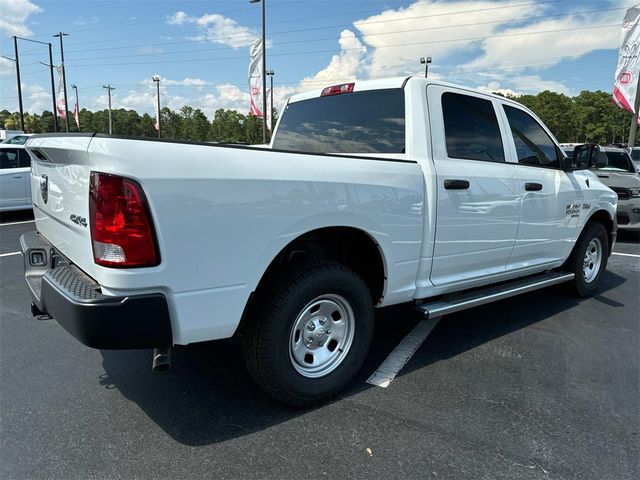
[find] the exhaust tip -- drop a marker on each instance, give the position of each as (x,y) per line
(161,360)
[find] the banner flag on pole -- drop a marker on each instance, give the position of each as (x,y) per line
(270,109)
(155,106)
(628,69)
(60,106)
(76,114)
(255,77)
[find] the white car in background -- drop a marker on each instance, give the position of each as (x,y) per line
(15,183)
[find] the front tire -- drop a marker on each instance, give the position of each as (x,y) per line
(588,260)
(309,332)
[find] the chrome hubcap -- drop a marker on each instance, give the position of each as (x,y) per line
(592,260)
(322,336)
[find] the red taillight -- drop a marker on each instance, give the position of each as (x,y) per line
(338,89)
(121,227)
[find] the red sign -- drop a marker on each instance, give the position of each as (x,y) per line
(625,78)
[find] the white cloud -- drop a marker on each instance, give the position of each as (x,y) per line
(569,39)
(7,67)
(216,28)
(36,98)
(399,37)
(494,87)
(343,67)
(80,21)
(534,84)
(524,84)
(14,17)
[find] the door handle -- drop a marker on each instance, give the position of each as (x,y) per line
(17,176)
(456,184)
(532,187)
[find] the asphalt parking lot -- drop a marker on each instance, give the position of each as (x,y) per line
(539,386)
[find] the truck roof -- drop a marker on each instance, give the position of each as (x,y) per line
(382,83)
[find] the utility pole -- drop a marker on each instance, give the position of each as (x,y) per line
(109,88)
(15,49)
(264,68)
(425,61)
(53,90)
(77,107)
(156,80)
(634,120)
(64,80)
(271,74)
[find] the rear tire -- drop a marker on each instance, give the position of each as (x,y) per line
(309,332)
(588,261)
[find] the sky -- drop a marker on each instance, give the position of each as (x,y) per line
(200,49)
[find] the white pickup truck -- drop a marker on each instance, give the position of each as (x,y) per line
(371,194)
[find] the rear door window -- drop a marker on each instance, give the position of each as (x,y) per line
(359,122)
(24,160)
(533,145)
(9,158)
(471,128)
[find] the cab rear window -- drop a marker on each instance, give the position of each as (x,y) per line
(360,122)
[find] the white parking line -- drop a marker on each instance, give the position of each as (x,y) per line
(626,254)
(16,223)
(10,254)
(397,359)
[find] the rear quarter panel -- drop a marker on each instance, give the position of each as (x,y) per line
(222,214)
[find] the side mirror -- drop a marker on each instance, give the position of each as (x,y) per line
(581,158)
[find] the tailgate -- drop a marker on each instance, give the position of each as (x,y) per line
(60,171)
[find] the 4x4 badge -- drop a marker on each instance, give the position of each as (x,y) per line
(78,220)
(44,188)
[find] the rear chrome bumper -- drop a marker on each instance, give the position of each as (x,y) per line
(64,292)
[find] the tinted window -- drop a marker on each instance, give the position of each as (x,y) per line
(635,154)
(359,122)
(471,128)
(618,162)
(533,145)
(8,158)
(24,159)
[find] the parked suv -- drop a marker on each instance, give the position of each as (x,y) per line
(617,171)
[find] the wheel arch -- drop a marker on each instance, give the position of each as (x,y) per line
(350,246)
(604,217)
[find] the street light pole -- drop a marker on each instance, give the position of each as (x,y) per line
(156,79)
(271,74)
(77,108)
(425,62)
(264,68)
(15,49)
(64,80)
(109,88)
(53,90)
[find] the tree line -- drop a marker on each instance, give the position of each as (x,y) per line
(187,123)
(589,117)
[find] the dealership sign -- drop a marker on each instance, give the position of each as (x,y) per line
(626,83)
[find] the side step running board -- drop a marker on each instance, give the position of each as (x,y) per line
(479,296)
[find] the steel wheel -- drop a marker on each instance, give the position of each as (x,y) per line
(322,336)
(592,260)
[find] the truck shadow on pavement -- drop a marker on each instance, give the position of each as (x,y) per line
(208,397)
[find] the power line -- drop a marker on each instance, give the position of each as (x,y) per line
(307,52)
(395,32)
(350,24)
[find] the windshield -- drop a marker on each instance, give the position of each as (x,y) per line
(359,122)
(618,162)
